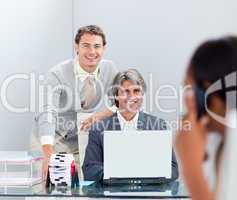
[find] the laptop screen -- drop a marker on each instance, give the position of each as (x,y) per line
(137,154)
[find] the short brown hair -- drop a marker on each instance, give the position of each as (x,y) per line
(91,29)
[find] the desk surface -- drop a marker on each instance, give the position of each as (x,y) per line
(171,190)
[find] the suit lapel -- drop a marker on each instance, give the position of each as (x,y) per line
(141,123)
(114,123)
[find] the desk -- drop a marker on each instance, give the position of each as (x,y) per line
(171,190)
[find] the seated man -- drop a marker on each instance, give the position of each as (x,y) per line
(128,90)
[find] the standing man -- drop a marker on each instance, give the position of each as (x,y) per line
(73,87)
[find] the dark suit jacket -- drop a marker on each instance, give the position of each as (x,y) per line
(93,162)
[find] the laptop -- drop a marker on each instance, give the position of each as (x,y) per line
(137,157)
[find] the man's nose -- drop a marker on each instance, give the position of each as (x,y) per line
(92,50)
(131,95)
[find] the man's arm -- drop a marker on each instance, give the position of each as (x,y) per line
(47,152)
(48,110)
(93,162)
(86,124)
(46,118)
(175,168)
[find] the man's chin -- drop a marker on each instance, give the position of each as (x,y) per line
(128,110)
(135,110)
(92,64)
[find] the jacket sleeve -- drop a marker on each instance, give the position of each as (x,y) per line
(47,117)
(175,168)
(93,163)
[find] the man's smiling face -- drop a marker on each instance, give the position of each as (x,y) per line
(90,50)
(130,97)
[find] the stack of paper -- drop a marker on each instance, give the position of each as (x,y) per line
(61,169)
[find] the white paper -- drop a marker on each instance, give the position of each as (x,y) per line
(60,171)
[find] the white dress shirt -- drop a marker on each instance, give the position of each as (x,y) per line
(82,74)
(128,125)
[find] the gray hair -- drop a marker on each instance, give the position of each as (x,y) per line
(129,75)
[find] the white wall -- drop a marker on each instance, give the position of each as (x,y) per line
(34,35)
(157,37)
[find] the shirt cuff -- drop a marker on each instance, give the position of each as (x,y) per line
(47,139)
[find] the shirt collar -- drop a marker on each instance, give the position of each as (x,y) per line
(128,125)
(81,73)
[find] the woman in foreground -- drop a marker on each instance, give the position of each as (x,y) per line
(211,72)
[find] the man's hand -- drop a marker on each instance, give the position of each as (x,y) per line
(47,152)
(86,124)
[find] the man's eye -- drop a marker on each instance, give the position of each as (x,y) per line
(137,90)
(97,46)
(85,45)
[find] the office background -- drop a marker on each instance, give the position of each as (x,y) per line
(156,37)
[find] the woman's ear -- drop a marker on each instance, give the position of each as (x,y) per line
(216,106)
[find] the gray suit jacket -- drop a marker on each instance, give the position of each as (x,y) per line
(93,162)
(50,121)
